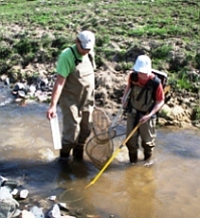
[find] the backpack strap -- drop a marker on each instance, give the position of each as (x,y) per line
(155,82)
(77,61)
(151,83)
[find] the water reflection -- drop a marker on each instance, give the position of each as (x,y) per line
(169,188)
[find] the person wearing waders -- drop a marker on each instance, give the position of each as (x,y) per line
(74,89)
(145,99)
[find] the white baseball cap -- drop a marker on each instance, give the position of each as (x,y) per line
(87,39)
(143,64)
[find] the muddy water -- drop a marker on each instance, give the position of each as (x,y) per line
(168,188)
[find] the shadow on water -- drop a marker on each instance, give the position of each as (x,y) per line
(168,188)
(45,179)
(37,174)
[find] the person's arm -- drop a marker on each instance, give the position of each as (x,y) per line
(155,109)
(57,89)
(126,93)
(125,96)
(158,104)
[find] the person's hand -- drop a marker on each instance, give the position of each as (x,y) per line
(145,118)
(51,112)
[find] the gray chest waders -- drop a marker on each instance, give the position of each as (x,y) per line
(76,102)
(142,102)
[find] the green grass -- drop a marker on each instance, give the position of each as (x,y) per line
(167,25)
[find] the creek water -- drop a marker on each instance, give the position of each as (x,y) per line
(168,188)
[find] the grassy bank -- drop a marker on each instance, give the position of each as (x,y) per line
(35,31)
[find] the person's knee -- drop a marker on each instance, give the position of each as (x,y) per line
(148,145)
(148,149)
(132,147)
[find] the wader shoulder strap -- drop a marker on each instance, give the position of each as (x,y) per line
(151,83)
(77,61)
(155,82)
(91,59)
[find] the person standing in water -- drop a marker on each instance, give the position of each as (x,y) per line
(74,89)
(146,99)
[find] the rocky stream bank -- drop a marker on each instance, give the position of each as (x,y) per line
(180,110)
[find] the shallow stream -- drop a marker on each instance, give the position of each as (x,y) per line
(170,188)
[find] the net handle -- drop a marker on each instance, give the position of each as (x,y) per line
(118,150)
(113,156)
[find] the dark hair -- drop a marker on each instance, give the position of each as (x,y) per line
(134,76)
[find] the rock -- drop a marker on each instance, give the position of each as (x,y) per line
(38,212)
(23,194)
(54,212)
(52,198)
(15,192)
(7,208)
(27,214)
(162,121)
(5,194)
(19,86)
(21,94)
(63,206)
(44,204)
(177,112)
(8,204)
(7,81)
(165,111)
(17,213)
(32,89)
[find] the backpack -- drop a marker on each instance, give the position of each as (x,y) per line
(160,77)
(164,79)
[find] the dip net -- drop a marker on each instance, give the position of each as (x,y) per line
(100,146)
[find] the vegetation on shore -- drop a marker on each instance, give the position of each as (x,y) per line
(33,32)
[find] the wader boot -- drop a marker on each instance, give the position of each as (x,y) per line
(64,152)
(147,155)
(76,102)
(78,153)
(133,157)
